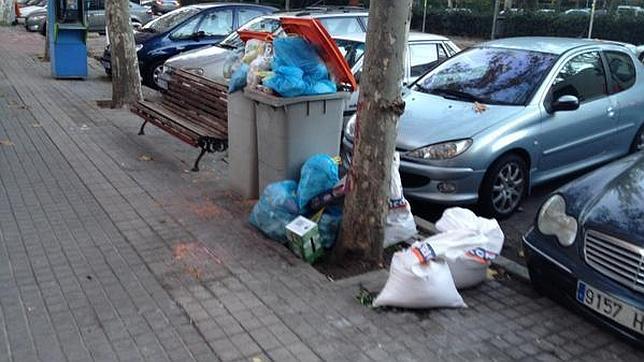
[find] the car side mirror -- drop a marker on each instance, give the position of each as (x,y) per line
(565,103)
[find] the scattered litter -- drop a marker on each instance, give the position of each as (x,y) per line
(6,143)
(365,297)
(36,125)
(318,175)
(145,158)
(84,127)
(304,239)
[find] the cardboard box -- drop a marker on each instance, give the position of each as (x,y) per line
(304,239)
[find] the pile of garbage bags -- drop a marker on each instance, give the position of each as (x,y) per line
(430,272)
(282,202)
(288,67)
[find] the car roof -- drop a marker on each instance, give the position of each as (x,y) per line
(212,5)
(413,37)
(552,45)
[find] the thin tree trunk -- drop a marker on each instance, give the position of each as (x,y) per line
(380,106)
(126,80)
(507,4)
(7,13)
(46,56)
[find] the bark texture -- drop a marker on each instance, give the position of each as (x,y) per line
(126,80)
(380,107)
(7,12)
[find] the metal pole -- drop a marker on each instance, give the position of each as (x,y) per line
(592,20)
(288,4)
(496,13)
(424,15)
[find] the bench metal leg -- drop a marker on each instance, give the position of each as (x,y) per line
(196,167)
(141,133)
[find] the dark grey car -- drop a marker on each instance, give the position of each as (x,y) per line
(36,21)
(139,15)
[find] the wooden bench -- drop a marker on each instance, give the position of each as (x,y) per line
(193,109)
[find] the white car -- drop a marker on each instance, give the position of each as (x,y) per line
(210,61)
(424,52)
(32,7)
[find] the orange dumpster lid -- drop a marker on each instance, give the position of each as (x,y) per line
(314,32)
(246,35)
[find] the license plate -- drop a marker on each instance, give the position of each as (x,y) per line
(611,307)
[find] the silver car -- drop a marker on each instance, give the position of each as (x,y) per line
(493,121)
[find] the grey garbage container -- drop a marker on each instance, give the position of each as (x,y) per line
(291,130)
(242,146)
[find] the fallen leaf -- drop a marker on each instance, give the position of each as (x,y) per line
(257,359)
(479,107)
(36,125)
(521,253)
(6,143)
(145,158)
(492,274)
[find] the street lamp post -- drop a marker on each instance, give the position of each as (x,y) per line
(592,19)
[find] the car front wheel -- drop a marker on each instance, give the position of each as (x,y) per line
(152,75)
(504,186)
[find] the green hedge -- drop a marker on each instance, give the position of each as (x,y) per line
(609,27)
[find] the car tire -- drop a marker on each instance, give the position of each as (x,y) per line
(638,141)
(149,76)
(504,186)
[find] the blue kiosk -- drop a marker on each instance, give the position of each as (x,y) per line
(67,38)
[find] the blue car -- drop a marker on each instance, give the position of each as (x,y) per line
(184,29)
(491,122)
(587,246)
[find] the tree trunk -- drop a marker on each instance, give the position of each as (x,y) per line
(126,80)
(7,13)
(507,4)
(366,204)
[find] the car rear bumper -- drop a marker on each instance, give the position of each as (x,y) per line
(559,281)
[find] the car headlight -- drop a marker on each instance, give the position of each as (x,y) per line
(350,128)
(197,71)
(139,47)
(37,17)
(441,151)
(553,220)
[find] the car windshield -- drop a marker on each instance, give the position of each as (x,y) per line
(351,50)
(169,20)
(269,25)
(489,75)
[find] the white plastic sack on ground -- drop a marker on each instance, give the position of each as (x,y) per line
(468,243)
(400,224)
(415,285)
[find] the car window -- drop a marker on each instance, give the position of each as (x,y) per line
(582,76)
(489,75)
(622,71)
(351,50)
(169,20)
(339,26)
(186,30)
(217,23)
(267,25)
(246,15)
(423,57)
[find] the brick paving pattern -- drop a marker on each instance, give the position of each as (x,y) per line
(109,255)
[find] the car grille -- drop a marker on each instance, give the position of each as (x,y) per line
(615,258)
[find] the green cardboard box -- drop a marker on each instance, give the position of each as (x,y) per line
(304,239)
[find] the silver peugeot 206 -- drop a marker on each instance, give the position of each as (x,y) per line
(493,121)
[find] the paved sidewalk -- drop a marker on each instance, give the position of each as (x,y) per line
(111,250)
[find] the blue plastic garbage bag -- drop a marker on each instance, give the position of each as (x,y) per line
(295,52)
(275,209)
(329,226)
(287,81)
(238,79)
(318,174)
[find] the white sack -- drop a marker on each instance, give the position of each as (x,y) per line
(414,285)
(468,243)
(400,224)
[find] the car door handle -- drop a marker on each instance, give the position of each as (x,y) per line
(611,112)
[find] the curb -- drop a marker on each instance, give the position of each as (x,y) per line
(511,267)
